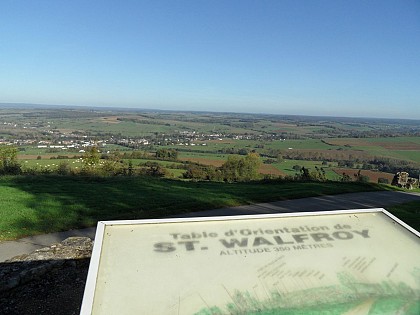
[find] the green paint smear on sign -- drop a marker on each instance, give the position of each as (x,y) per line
(350,297)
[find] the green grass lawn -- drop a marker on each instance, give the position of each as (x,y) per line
(32,205)
(408,212)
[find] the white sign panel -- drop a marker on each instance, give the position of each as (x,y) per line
(341,262)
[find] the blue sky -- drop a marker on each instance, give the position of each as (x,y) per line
(337,58)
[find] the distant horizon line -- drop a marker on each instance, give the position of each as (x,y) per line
(116,108)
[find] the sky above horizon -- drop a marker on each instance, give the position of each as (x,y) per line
(334,58)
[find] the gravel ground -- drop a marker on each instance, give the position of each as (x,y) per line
(59,291)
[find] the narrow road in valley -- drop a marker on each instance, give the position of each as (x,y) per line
(364,200)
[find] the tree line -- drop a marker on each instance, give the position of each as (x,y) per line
(235,169)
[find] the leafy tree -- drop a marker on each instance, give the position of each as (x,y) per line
(195,172)
(91,156)
(304,174)
(110,167)
(318,174)
(345,178)
(156,170)
(167,154)
(241,169)
(251,166)
(361,178)
(243,151)
(8,160)
(64,168)
(367,166)
(297,168)
(231,168)
(130,170)
(199,172)
(91,160)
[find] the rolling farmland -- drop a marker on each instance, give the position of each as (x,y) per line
(47,137)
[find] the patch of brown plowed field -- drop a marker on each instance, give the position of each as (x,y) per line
(270,170)
(373,175)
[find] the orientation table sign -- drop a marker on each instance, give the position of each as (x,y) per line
(335,262)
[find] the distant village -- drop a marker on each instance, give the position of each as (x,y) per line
(45,137)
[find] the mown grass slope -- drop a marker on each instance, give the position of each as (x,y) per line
(32,205)
(408,212)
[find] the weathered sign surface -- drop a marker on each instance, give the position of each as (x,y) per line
(341,262)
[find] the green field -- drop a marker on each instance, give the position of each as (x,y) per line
(408,212)
(258,145)
(32,205)
(316,138)
(404,148)
(287,167)
(49,162)
(408,155)
(381,147)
